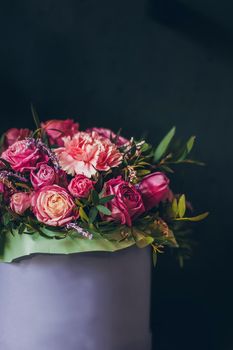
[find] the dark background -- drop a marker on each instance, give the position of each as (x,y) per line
(143,65)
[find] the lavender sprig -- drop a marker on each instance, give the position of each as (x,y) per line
(79,229)
(45,149)
(5,176)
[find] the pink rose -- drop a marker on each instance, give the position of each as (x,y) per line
(87,153)
(127,203)
(56,129)
(14,134)
(23,157)
(53,206)
(109,134)
(43,176)
(80,186)
(154,188)
(20,202)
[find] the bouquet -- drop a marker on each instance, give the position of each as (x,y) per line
(66,190)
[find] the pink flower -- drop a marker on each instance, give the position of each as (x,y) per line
(13,135)
(87,153)
(109,134)
(23,157)
(56,129)
(154,188)
(43,176)
(127,203)
(53,206)
(80,186)
(20,202)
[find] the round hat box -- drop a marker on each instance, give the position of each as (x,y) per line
(82,301)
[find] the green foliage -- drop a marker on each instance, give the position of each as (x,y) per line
(35,116)
(181,206)
(194,218)
(104,210)
(161,149)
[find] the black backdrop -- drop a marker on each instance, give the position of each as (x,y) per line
(143,66)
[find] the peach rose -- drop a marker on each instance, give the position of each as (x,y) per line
(20,202)
(53,206)
(56,129)
(87,153)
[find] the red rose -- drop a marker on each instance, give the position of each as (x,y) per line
(13,135)
(56,129)
(127,203)
(154,188)
(80,186)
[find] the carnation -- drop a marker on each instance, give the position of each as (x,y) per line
(86,154)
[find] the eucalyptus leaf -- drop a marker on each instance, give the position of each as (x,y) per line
(164,144)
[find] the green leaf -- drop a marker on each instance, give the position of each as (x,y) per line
(6,218)
(92,214)
(174,207)
(104,210)
(145,147)
(22,228)
(142,241)
(188,147)
(194,218)
(143,172)
(35,117)
(164,144)
(95,197)
(154,256)
(182,206)
(166,168)
(190,143)
(106,199)
(83,215)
